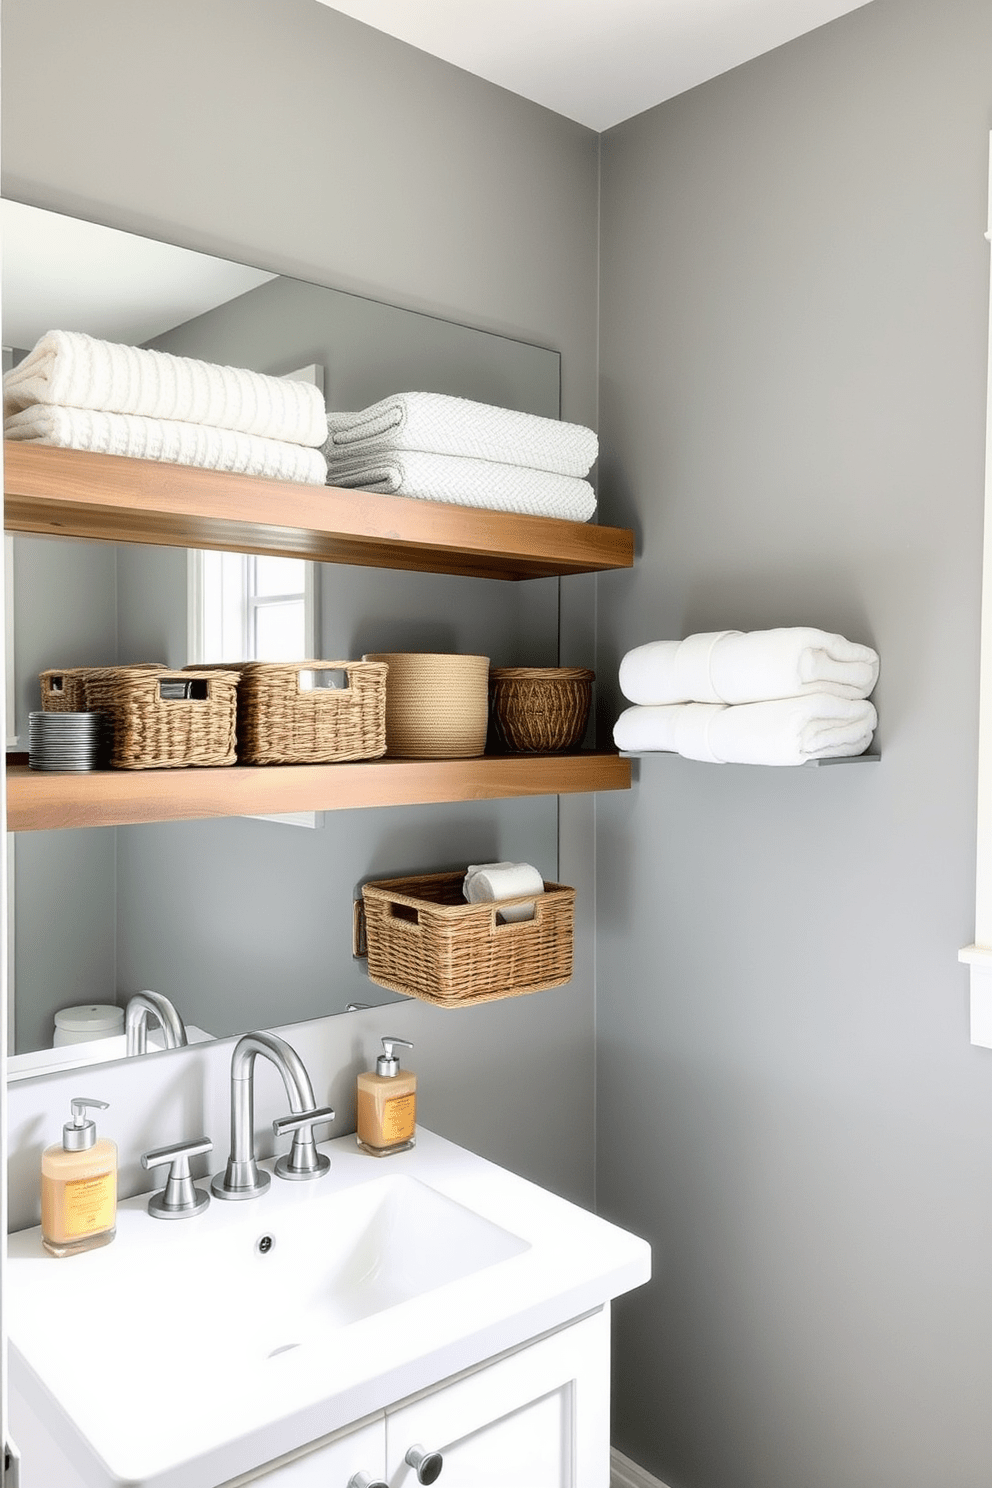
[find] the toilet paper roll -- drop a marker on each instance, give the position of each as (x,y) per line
(487,883)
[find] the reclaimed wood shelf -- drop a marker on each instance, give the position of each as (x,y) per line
(37,801)
(72,493)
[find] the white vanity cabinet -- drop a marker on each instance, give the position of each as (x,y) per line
(537,1418)
(534,1418)
(333,1464)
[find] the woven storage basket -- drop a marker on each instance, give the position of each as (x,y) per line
(282,723)
(540,710)
(64,690)
(437,705)
(152,732)
(425,941)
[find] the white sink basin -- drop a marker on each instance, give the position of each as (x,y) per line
(258,1326)
(321,1266)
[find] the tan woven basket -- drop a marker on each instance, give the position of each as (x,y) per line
(437,705)
(281,722)
(63,690)
(152,731)
(425,941)
(540,710)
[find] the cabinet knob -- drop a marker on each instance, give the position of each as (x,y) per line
(427,1465)
(363,1480)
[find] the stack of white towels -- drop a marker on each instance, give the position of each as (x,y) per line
(493,883)
(765,697)
(77,392)
(448,449)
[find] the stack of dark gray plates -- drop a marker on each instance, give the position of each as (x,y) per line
(65,741)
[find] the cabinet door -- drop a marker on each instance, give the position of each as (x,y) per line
(538,1418)
(332,1464)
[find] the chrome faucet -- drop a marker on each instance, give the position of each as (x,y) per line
(242,1178)
(145,1005)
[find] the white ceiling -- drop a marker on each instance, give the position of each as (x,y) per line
(596,61)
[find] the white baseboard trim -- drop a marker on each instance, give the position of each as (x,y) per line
(627,1474)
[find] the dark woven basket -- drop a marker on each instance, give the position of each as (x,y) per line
(540,710)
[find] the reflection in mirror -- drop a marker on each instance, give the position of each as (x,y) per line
(242,923)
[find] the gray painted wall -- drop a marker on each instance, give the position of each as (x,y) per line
(65,614)
(794,322)
(240,119)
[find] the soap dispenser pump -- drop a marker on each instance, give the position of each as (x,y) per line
(387,1104)
(79,1186)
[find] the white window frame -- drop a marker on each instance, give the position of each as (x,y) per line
(233,601)
(978,956)
(222,600)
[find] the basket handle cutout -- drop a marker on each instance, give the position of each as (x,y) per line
(329,679)
(404,912)
(56,684)
(172,689)
(499,924)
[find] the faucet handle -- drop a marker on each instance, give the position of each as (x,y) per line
(180,1198)
(296,1120)
(303,1160)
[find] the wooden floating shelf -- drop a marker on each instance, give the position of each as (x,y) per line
(71,493)
(37,801)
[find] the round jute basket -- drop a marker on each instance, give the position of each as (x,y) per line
(437,704)
(541,710)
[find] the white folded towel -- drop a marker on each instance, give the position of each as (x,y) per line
(167,440)
(731,666)
(439,424)
(463,482)
(73,370)
(788,731)
(487,883)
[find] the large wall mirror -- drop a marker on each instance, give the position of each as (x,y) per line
(242,923)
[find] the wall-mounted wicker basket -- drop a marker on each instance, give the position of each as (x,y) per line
(423,940)
(540,710)
(283,722)
(161,719)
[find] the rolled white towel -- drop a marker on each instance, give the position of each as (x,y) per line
(168,441)
(486,883)
(788,731)
(731,666)
(456,481)
(439,424)
(72,370)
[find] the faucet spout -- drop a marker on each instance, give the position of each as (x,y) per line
(154,1005)
(242,1179)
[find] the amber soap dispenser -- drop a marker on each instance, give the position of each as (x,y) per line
(387,1104)
(79,1186)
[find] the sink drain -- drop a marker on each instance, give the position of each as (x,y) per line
(264,1244)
